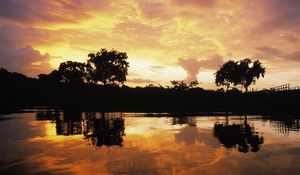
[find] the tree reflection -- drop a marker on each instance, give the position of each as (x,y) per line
(99,130)
(70,123)
(105,131)
(181,120)
(238,136)
(284,124)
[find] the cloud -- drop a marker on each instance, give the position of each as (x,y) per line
(140,81)
(49,11)
(290,37)
(25,60)
(138,34)
(19,56)
(154,10)
(281,15)
(153,30)
(191,135)
(275,53)
(137,29)
(212,63)
(269,51)
(200,3)
(192,66)
(294,56)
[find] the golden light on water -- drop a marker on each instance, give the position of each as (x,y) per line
(156,145)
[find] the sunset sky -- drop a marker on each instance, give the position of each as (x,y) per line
(164,40)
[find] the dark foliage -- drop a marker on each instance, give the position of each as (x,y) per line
(108,67)
(72,72)
(244,72)
(54,77)
(20,91)
(239,136)
(98,131)
(181,85)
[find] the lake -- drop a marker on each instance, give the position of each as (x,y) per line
(70,142)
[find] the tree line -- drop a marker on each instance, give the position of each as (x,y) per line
(110,67)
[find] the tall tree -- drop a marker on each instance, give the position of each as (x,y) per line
(108,67)
(243,72)
(225,76)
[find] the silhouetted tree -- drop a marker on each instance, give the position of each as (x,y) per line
(53,77)
(193,84)
(68,72)
(181,85)
(72,72)
(108,67)
(226,74)
(243,72)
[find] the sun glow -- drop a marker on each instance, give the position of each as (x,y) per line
(153,33)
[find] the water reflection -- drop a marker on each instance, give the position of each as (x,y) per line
(284,124)
(57,142)
(238,136)
(181,119)
(99,130)
(108,129)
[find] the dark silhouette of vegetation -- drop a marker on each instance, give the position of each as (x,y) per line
(95,85)
(108,129)
(108,67)
(19,91)
(54,77)
(69,72)
(243,72)
(106,132)
(103,131)
(7,77)
(283,124)
(181,85)
(238,136)
(72,72)
(182,119)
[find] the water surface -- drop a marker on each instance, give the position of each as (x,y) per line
(56,142)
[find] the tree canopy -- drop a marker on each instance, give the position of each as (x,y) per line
(72,72)
(243,72)
(108,67)
(53,77)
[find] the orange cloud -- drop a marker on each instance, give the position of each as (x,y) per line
(201,3)
(157,32)
(193,66)
(50,11)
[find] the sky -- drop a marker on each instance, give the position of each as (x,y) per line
(164,39)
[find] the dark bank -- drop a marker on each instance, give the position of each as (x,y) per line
(19,91)
(98,85)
